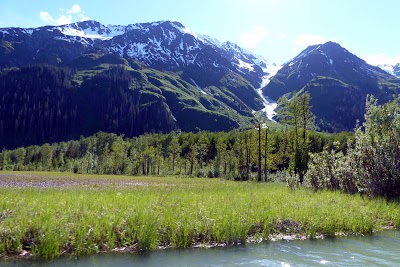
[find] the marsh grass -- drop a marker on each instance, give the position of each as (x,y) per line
(142,213)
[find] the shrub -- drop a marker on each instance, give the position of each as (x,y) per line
(372,163)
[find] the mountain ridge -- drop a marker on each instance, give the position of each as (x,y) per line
(391,69)
(167,79)
(161,76)
(163,45)
(333,76)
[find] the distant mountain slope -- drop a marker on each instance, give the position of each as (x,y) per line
(44,103)
(391,69)
(149,77)
(162,45)
(338,82)
(160,76)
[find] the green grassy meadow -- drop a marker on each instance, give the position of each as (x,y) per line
(47,215)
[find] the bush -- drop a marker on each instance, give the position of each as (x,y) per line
(200,173)
(331,170)
(278,177)
(322,170)
(372,163)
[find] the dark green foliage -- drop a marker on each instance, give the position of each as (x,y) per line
(242,89)
(37,104)
(297,113)
(371,164)
(204,120)
(232,155)
(41,104)
(98,92)
(112,107)
(92,61)
(332,98)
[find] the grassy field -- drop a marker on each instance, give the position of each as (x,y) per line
(46,215)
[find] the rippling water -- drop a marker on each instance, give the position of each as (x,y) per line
(382,249)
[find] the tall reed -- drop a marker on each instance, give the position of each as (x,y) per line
(142,213)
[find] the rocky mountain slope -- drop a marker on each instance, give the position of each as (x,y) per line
(152,77)
(391,69)
(58,82)
(338,82)
(165,45)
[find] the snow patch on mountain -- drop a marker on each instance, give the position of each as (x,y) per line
(189,31)
(161,44)
(388,68)
(198,87)
(29,31)
(269,104)
(241,56)
(101,32)
(209,40)
(245,65)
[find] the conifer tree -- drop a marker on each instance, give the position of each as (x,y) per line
(297,113)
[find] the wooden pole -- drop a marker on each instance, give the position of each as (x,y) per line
(259,179)
(266,154)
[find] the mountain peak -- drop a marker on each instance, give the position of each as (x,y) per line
(161,44)
(330,60)
(333,46)
(87,24)
(321,49)
(335,78)
(175,23)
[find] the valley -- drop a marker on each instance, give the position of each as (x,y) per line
(106,130)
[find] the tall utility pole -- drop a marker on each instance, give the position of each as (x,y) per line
(259,179)
(266,154)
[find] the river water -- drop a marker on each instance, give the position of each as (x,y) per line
(381,249)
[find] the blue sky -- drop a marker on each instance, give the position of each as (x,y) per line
(275,29)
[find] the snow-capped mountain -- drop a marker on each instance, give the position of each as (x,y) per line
(164,45)
(147,77)
(91,30)
(391,69)
(338,82)
(329,60)
(201,76)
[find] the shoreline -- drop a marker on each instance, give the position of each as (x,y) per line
(26,255)
(166,213)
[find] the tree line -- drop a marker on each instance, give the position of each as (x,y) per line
(232,155)
(240,155)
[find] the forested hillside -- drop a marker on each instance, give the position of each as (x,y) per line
(86,77)
(44,103)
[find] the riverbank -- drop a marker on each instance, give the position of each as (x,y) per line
(47,215)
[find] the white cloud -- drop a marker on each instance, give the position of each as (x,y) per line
(46,17)
(75,13)
(381,59)
(309,39)
(64,19)
(254,37)
(76,9)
